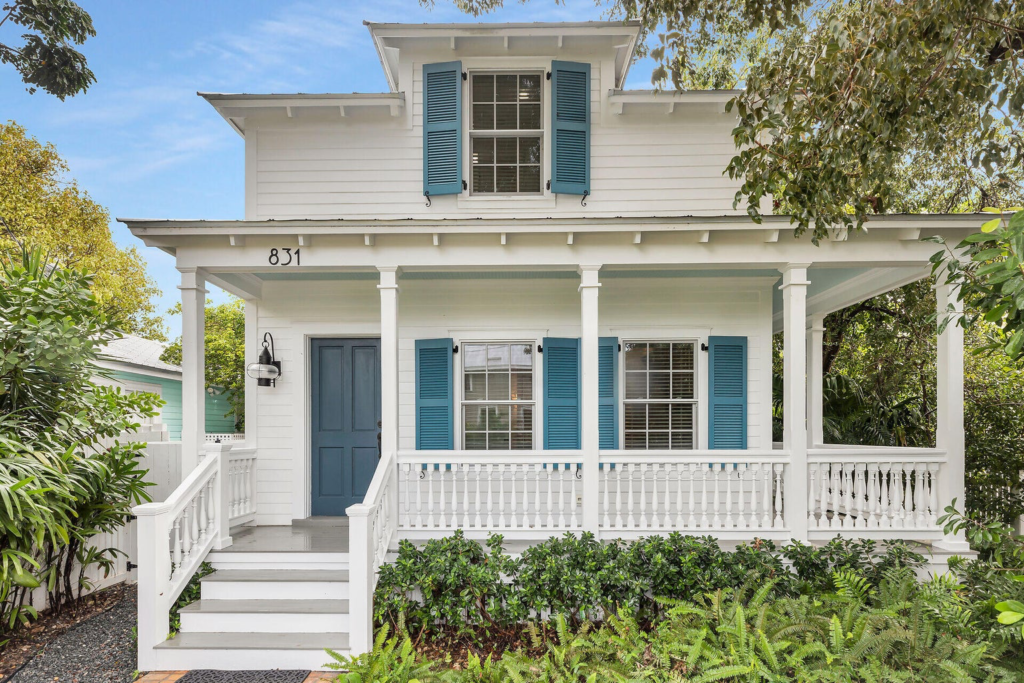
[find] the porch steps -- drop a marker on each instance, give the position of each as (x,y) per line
(271,604)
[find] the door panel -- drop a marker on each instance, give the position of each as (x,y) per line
(345,394)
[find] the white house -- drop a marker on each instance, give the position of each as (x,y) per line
(536,284)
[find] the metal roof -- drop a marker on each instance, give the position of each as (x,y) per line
(132,350)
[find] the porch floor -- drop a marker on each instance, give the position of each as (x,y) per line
(299,538)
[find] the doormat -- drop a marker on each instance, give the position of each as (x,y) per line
(214,676)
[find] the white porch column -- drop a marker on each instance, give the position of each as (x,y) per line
(193,367)
(388,358)
(252,352)
(590,438)
(815,380)
(949,424)
(794,433)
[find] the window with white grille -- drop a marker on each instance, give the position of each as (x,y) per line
(497,395)
(506,133)
(660,395)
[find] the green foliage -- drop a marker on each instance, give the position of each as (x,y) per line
(47,59)
(392,660)
(895,630)
(189,594)
(460,587)
(225,353)
(992,281)
(64,478)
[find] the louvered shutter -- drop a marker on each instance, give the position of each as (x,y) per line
(608,391)
(570,134)
(434,397)
(727,413)
(442,128)
(561,393)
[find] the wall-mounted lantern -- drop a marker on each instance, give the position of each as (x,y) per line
(267,370)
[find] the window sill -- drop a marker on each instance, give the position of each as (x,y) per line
(540,201)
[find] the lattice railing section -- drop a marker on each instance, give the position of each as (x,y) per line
(662,491)
(500,492)
(877,493)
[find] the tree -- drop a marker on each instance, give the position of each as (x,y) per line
(47,59)
(847,91)
(38,206)
(64,475)
(225,353)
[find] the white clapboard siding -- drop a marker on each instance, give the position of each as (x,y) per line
(643,163)
(468,309)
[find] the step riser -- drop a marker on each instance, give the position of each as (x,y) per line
(263,622)
(275,590)
(242,660)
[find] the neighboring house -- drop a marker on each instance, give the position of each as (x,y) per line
(537,284)
(134,364)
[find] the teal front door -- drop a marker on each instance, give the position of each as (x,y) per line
(345,411)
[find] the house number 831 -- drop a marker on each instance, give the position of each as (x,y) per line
(284,257)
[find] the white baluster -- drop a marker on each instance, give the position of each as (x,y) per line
(812,488)
(716,522)
(766,499)
(429,475)
(618,494)
(886,497)
(526,497)
(538,507)
(643,496)
(704,471)
(679,469)
(730,521)
(858,497)
(500,521)
(194,518)
(630,520)
(824,474)
(872,507)
(573,494)
(213,513)
(477,473)
(418,479)
(606,482)
(691,503)
(656,519)
(837,488)
(250,475)
(908,493)
(755,495)
(920,495)
(933,492)
(847,495)
(176,543)
(779,518)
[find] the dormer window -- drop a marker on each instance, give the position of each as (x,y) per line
(506,133)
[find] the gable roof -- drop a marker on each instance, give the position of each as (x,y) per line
(138,352)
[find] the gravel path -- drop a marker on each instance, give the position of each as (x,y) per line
(100,650)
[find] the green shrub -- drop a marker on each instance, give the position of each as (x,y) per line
(815,567)
(64,478)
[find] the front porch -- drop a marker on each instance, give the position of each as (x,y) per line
(586,467)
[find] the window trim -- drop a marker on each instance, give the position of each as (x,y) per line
(460,394)
(699,400)
(542,133)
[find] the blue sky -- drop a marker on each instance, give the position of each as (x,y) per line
(145,146)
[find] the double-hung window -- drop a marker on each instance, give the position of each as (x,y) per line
(660,400)
(497,395)
(506,133)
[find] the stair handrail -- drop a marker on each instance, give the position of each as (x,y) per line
(372,525)
(174,538)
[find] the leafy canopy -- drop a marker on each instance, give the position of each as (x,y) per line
(225,353)
(38,205)
(47,59)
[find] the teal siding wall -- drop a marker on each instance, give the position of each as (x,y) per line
(170,414)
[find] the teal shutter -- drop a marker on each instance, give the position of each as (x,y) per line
(727,413)
(561,393)
(434,397)
(442,128)
(608,391)
(570,135)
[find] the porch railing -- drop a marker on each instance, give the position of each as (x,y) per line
(874,490)
(726,493)
(372,525)
(175,536)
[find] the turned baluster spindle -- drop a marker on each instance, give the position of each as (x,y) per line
(933,492)
(824,473)
(691,503)
(538,506)
(779,517)
(812,480)
(643,496)
(908,493)
(630,520)
(858,497)
(716,472)
(766,499)
(885,499)
(704,470)
(176,543)
(679,469)
(872,506)
(618,495)
(656,517)
(920,495)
